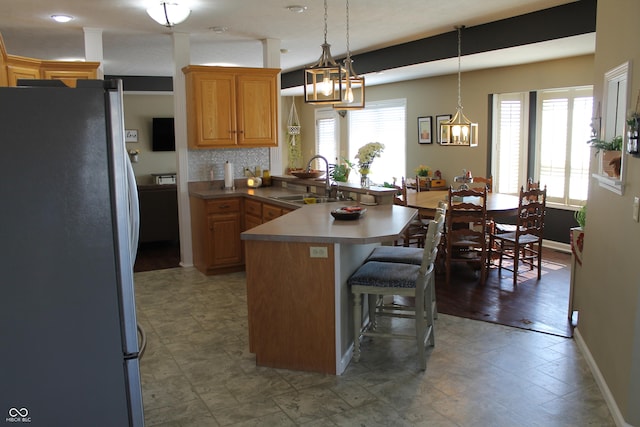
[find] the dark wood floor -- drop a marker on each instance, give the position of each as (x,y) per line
(537,305)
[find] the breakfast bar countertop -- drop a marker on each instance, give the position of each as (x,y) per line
(314,223)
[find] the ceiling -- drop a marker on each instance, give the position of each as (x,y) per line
(135,45)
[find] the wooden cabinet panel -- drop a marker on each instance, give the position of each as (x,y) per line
(224,240)
(215,231)
(270,212)
(256,99)
(252,213)
(231,107)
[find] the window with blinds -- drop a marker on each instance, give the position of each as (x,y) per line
(562,161)
(327,131)
(385,122)
(510,148)
(561,155)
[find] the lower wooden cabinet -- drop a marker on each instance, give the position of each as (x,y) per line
(215,229)
(216,225)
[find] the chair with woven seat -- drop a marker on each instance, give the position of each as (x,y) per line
(524,244)
(466,230)
(377,279)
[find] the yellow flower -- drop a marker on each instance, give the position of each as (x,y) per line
(423,170)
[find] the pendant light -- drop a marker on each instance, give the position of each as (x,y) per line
(168,14)
(323,80)
(353,96)
(459,130)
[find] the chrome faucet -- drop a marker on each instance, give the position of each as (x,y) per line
(327,188)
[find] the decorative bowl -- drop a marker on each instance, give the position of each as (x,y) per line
(348,212)
(307,174)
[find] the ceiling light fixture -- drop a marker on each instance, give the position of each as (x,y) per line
(169,14)
(351,100)
(61,18)
(323,80)
(459,130)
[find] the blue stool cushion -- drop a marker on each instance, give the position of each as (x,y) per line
(385,275)
(397,254)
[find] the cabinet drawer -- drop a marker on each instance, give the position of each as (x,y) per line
(270,212)
(223,205)
(252,207)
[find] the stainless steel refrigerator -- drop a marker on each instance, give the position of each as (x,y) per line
(68,236)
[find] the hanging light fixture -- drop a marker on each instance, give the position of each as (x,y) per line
(168,14)
(351,100)
(323,80)
(459,130)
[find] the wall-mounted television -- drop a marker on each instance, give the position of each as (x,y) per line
(163,136)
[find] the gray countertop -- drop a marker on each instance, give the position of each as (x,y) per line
(314,223)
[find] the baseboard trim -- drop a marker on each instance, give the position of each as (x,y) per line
(558,246)
(602,384)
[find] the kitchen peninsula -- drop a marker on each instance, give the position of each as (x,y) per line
(299,306)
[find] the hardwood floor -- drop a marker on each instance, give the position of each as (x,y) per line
(536,305)
(157,256)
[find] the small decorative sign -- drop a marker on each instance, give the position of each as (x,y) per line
(131,135)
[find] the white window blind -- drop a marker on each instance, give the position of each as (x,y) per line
(510,148)
(326,136)
(563,154)
(385,122)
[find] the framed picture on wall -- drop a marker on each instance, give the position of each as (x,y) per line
(425,130)
(443,134)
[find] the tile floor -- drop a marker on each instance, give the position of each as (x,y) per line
(197,371)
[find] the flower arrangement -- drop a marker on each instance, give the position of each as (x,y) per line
(366,154)
(423,170)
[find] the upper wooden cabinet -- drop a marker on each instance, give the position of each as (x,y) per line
(13,68)
(231,107)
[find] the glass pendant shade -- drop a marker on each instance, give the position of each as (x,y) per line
(168,14)
(323,80)
(460,131)
(353,87)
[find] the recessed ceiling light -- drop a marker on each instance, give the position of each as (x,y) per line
(284,51)
(61,18)
(219,30)
(296,8)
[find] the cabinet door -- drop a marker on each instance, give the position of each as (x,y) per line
(224,239)
(270,212)
(211,114)
(16,72)
(256,110)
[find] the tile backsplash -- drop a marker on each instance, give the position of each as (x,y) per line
(207,164)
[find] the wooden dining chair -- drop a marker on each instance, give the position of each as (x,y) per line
(413,234)
(499,227)
(466,230)
(488,182)
(377,279)
(524,244)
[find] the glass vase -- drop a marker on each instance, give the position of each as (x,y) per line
(364,181)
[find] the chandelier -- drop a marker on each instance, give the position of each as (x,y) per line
(459,130)
(323,80)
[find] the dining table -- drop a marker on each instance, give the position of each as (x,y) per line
(499,205)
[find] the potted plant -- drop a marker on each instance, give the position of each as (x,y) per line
(581,216)
(340,172)
(611,154)
(422,176)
